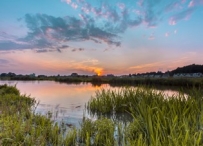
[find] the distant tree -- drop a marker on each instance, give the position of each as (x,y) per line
(188,69)
(10,74)
(3,74)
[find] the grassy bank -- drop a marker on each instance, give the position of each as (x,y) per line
(19,126)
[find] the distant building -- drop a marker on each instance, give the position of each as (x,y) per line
(74,75)
(123,76)
(166,75)
(32,75)
(151,76)
(157,76)
(188,75)
(110,75)
(197,75)
(42,76)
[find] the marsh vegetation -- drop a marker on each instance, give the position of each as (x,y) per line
(156,119)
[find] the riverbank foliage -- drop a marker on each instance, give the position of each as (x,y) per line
(158,120)
(19,126)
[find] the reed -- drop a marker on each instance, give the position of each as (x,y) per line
(158,119)
(99,132)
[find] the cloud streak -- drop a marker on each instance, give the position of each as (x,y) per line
(4,61)
(184,15)
(77,49)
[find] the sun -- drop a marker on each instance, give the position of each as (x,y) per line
(98,71)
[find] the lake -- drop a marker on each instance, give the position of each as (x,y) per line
(65,101)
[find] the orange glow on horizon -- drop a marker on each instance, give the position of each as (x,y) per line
(99,71)
(40,63)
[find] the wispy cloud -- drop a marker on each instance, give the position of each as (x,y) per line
(150,66)
(174,5)
(3,61)
(167,34)
(194,3)
(78,49)
(42,51)
(121,6)
(12,45)
(184,15)
(151,37)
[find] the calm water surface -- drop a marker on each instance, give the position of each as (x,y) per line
(65,101)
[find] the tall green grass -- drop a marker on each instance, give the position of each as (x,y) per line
(157,119)
(19,126)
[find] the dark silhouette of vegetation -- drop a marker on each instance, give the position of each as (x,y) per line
(188,69)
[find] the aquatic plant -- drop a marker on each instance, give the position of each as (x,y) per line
(99,132)
(158,119)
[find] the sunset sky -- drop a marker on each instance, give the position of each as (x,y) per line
(99,36)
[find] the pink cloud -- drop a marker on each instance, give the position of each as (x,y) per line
(191,4)
(151,37)
(172,21)
(184,15)
(140,3)
(121,6)
(85,10)
(73,5)
(194,3)
(68,1)
(166,34)
(96,11)
(138,12)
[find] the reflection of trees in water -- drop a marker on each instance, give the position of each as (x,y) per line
(173,89)
(72,83)
(183,90)
(96,84)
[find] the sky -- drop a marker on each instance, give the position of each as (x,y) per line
(101,37)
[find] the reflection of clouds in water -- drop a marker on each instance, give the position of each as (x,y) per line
(171,94)
(72,114)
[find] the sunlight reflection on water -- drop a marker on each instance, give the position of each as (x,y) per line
(65,101)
